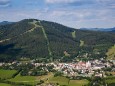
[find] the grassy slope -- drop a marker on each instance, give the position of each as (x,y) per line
(19,78)
(45,77)
(81,43)
(24,79)
(78,82)
(45,35)
(60,80)
(64,81)
(111,53)
(74,34)
(4,74)
(110,80)
(30,79)
(3,84)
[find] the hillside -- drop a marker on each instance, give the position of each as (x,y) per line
(33,38)
(111,53)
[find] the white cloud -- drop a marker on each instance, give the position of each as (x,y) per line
(4,3)
(80,16)
(107,3)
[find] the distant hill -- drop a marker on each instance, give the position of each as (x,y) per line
(32,38)
(100,29)
(5,23)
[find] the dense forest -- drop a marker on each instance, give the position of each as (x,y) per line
(32,38)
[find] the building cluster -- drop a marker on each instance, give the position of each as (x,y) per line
(81,68)
(72,69)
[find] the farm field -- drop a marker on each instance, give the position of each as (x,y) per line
(78,82)
(111,53)
(24,79)
(110,80)
(60,80)
(31,80)
(45,77)
(3,84)
(65,81)
(4,74)
(113,73)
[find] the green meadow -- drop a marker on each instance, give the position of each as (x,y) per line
(111,53)
(4,74)
(110,80)
(33,80)
(78,82)
(60,80)
(65,81)
(74,34)
(3,84)
(24,79)
(81,43)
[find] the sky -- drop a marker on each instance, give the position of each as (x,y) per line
(72,13)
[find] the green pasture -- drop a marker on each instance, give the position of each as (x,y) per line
(110,80)
(78,82)
(60,80)
(3,84)
(24,79)
(4,74)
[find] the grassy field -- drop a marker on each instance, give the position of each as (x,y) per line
(81,43)
(65,81)
(60,80)
(78,82)
(74,34)
(24,79)
(110,80)
(31,80)
(113,73)
(45,77)
(47,40)
(3,84)
(111,53)
(4,74)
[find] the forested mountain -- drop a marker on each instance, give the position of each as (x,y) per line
(32,38)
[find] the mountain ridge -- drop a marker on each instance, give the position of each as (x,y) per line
(32,38)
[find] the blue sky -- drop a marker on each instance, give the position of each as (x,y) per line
(73,13)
